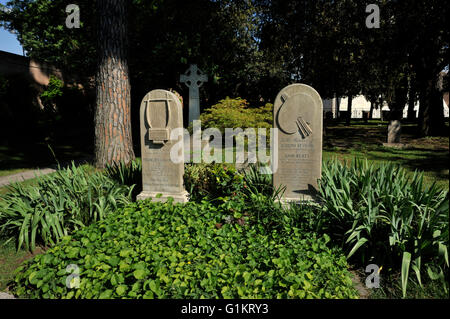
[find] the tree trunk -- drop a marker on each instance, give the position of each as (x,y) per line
(396,113)
(431,114)
(411,101)
(372,104)
(113,140)
(349,110)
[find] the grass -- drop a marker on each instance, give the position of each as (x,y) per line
(430,154)
(10,259)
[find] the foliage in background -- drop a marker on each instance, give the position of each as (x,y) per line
(382,216)
(155,250)
(52,91)
(61,202)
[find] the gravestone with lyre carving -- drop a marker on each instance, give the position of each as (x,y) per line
(193,78)
(160,114)
(298,118)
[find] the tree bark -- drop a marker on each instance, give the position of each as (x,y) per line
(113,139)
(431,114)
(411,101)
(396,106)
(349,110)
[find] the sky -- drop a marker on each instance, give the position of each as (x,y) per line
(8,41)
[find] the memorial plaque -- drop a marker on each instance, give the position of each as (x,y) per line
(298,117)
(160,113)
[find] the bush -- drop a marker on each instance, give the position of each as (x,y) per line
(382,216)
(212,181)
(61,202)
(234,113)
(156,250)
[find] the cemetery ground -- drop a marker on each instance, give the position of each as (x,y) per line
(360,140)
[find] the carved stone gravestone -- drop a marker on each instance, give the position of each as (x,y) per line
(298,117)
(193,78)
(160,114)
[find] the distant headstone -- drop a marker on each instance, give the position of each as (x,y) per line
(160,114)
(298,116)
(394,131)
(193,78)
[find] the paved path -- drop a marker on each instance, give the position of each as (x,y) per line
(4,295)
(20,177)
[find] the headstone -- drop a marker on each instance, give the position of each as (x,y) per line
(394,131)
(193,78)
(298,116)
(160,114)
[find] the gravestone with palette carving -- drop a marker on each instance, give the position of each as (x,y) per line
(298,117)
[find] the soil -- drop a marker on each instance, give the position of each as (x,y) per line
(359,284)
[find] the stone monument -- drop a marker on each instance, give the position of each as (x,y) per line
(161,113)
(298,117)
(193,78)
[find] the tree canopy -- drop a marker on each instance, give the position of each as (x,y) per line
(252,48)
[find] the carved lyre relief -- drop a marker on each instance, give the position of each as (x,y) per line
(292,116)
(158,115)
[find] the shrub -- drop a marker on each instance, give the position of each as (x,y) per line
(234,113)
(156,250)
(212,181)
(61,202)
(381,215)
(52,92)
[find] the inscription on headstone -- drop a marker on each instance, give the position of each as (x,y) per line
(160,114)
(298,117)
(193,78)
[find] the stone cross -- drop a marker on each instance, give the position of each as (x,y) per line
(298,118)
(160,114)
(193,78)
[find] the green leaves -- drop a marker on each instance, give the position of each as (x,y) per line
(61,203)
(155,250)
(139,274)
(405,271)
(379,213)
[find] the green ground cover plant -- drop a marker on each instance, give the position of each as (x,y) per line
(155,250)
(58,204)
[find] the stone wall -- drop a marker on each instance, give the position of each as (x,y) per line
(37,72)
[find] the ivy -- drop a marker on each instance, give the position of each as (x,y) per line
(157,250)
